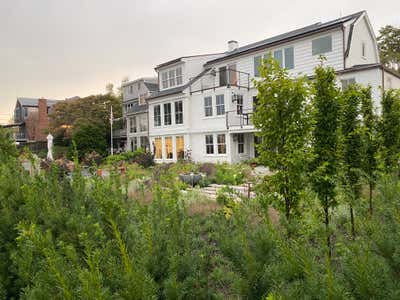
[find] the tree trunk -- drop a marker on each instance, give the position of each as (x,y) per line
(328,235)
(353,230)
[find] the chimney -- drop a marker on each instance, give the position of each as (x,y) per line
(43,120)
(232,45)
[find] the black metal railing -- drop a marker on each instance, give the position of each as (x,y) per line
(239,118)
(221,78)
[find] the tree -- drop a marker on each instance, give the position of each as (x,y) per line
(88,138)
(389,46)
(66,116)
(325,140)
(352,146)
(370,141)
(283,117)
(390,129)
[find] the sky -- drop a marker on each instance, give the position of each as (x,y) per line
(58,49)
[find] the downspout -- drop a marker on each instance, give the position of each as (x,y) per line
(344,51)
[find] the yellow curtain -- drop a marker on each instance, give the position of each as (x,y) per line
(168,147)
(158,148)
(179,141)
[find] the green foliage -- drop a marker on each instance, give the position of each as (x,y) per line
(389,46)
(390,129)
(228,174)
(283,118)
(89,138)
(139,156)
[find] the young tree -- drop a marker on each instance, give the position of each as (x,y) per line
(390,129)
(389,46)
(370,141)
(352,146)
(325,140)
(283,117)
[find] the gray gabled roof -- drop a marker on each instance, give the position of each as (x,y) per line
(152,87)
(179,59)
(178,89)
(281,38)
(34,102)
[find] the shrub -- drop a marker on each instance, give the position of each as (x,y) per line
(229,174)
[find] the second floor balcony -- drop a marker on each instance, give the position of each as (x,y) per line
(223,77)
(239,119)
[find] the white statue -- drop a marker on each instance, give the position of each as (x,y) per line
(50,147)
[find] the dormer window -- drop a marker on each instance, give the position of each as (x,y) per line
(171,78)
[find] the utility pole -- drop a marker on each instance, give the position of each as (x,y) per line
(111,133)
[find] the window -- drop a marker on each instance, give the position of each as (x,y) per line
(347,82)
(220,104)
(209,144)
(167,114)
(157,115)
(322,45)
(289,58)
(144,142)
(168,148)
(143,123)
(134,143)
(221,144)
(222,76)
(172,77)
(131,89)
(279,57)
(25,109)
(164,77)
(132,123)
(239,103)
(208,106)
(363,52)
(179,146)
(255,102)
(178,112)
(257,64)
(240,139)
(233,80)
(179,76)
(157,148)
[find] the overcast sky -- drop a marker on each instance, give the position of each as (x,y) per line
(64,48)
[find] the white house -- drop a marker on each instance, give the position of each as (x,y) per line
(134,95)
(204,104)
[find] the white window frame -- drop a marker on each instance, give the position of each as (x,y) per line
(221,144)
(208,144)
(180,113)
(208,107)
(164,79)
(167,114)
(159,116)
(240,143)
(220,107)
(133,121)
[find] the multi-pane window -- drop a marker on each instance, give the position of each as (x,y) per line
(171,77)
(132,125)
(240,141)
(143,123)
(347,82)
(221,144)
(168,148)
(289,58)
(178,112)
(134,143)
(239,103)
(179,76)
(209,144)
(257,64)
(278,55)
(157,148)
(167,114)
(179,146)
(164,78)
(220,104)
(222,76)
(157,115)
(208,106)
(322,45)
(144,142)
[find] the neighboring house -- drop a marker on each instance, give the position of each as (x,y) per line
(31,118)
(135,94)
(205,103)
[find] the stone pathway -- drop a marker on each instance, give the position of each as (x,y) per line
(211,191)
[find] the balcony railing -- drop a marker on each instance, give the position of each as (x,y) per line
(119,133)
(221,78)
(239,118)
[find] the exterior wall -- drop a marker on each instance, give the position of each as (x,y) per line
(172,130)
(391,81)
(304,61)
(372,77)
(362,35)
